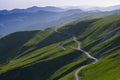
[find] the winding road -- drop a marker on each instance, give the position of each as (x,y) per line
(77,72)
(76,75)
(85,52)
(79,49)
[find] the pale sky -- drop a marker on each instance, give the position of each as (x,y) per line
(10,4)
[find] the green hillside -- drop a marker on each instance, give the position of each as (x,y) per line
(38,55)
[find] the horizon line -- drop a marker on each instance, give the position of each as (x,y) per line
(88,6)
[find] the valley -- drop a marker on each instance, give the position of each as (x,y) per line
(78,50)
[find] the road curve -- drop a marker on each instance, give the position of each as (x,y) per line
(85,52)
(77,72)
(79,49)
(81,68)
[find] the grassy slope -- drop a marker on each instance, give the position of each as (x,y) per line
(10,45)
(108,67)
(40,55)
(104,42)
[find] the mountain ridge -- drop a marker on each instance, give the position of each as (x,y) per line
(32,9)
(40,18)
(41,57)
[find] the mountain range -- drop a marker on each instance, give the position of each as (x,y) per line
(35,18)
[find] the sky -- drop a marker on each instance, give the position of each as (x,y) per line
(11,4)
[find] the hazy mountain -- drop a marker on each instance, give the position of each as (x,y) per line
(36,18)
(105,8)
(32,9)
(40,18)
(17,21)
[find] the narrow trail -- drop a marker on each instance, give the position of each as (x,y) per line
(76,75)
(85,52)
(79,49)
(62,47)
(77,72)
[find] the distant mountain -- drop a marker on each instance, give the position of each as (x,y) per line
(17,20)
(111,8)
(32,9)
(40,18)
(36,18)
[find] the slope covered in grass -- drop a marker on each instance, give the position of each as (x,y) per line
(104,42)
(37,55)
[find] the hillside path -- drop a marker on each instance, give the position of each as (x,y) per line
(76,75)
(85,52)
